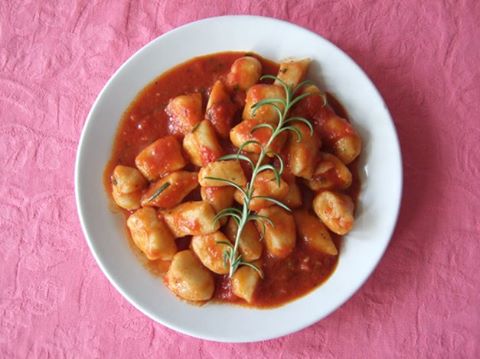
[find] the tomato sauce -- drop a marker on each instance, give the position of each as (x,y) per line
(145,121)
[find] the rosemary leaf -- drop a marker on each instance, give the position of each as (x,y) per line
(293,129)
(162,188)
(299,98)
(228,212)
(302,84)
(261,218)
(254,267)
(267,102)
(262,125)
(269,167)
(273,200)
(237,156)
(249,142)
(303,120)
(280,161)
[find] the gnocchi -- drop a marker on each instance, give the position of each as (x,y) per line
(314,233)
(220,109)
(293,71)
(218,197)
(128,201)
(339,135)
(244,282)
(280,237)
(191,218)
(127,185)
(330,173)
(161,157)
(302,153)
(335,210)
(202,145)
(244,73)
(151,235)
(249,245)
(189,279)
(128,179)
(258,93)
(210,250)
(229,170)
(185,112)
(244,132)
(170,190)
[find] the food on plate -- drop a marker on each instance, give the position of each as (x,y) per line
(239,177)
(279,232)
(191,218)
(201,144)
(188,278)
(335,210)
(151,235)
(160,158)
(330,173)
(314,233)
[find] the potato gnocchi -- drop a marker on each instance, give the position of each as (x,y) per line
(167,175)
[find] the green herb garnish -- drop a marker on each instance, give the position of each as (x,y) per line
(244,215)
(160,189)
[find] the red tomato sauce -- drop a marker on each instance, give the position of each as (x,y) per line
(145,121)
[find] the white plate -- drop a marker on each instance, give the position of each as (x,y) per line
(379,199)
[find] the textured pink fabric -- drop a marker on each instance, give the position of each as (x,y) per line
(422,301)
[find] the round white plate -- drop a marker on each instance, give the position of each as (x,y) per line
(379,199)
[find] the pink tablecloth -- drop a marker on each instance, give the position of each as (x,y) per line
(422,301)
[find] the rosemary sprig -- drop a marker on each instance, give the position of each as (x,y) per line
(282,107)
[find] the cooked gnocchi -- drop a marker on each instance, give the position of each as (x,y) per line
(189,279)
(260,92)
(191,218)
(202,145)
(314,234)
(185,112)
(330,173)
(280,235)
(220,109)
(128,179)
(128,201)
(170,190)
(160,158)
(229,170)
(302,153)
(223,182)
(244,132)
(265,186)
(244,73)
(335,210)
(250,244)
(293,71)
(244,283)
(218,197)
(210,250)
(151,235)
